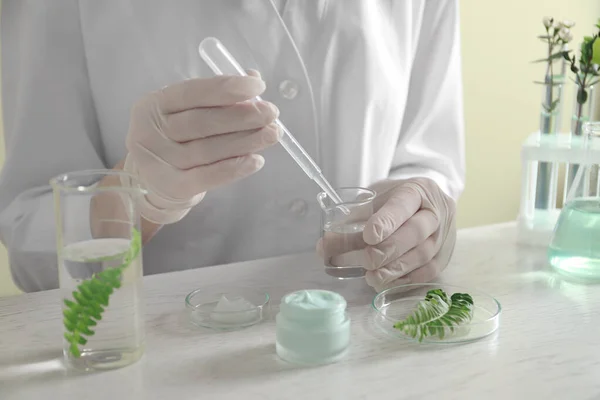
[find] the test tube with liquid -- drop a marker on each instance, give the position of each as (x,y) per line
(221,62)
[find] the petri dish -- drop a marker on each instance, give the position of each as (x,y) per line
(227,308)
(397,303)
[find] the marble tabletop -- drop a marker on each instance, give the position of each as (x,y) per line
(547,347)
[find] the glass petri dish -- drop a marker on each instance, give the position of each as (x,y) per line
(397,303)
(227,309)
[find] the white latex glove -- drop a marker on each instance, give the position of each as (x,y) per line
(194,136)
(409,239)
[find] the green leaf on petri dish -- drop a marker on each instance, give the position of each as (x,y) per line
(437,314)
(86,307)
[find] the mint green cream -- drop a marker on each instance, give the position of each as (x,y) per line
(312,327)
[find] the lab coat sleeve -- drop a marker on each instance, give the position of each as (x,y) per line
(49,128)
(431,141)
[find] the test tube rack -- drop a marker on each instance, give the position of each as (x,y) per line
(560,154)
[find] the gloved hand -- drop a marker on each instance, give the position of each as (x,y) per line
(409,239)
(194,136)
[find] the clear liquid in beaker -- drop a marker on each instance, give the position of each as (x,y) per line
(346,236)
(575,246)
(119,336)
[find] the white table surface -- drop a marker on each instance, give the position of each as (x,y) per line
(547,347)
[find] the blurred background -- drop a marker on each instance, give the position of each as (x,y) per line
(502,105)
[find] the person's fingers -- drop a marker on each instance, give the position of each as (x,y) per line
(402,266)
(208,177)
(184,184)
(414,258)
(220,90)
(411,234)
(215,148)
(225,171)
(424,274)
(204,122)
(380,282)
(254,73)
(221,147)
(402,204)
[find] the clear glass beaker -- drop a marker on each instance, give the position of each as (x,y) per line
(574,249)
(100,268)
(342,228)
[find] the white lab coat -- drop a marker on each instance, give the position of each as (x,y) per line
(378,95)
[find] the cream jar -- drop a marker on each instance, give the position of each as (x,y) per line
(312,327)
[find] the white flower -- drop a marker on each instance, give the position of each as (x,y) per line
(567,23)
(565,35)
(547,21)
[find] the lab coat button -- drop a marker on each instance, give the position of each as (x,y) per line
(299,207)
(288,89)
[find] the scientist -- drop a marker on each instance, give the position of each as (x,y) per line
(371,89)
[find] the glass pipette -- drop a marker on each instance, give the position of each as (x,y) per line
(221,62)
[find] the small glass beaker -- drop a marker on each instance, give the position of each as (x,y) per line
(99,253)
(574,249)
(342,227)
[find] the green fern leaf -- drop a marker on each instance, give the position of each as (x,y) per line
(437,315)
(91,298)
(74,349)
